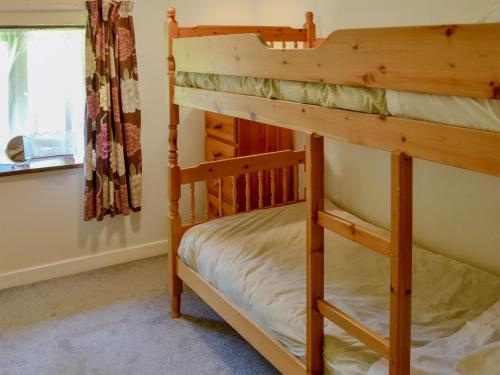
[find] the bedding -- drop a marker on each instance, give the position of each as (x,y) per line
(257,261)
(473,350)
(453,110)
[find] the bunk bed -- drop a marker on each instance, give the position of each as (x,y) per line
(359,86)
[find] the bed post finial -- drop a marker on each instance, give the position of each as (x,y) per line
(174,175)
(171,13)
(309,16)
(310,28)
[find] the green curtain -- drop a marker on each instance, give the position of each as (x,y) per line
(17,65)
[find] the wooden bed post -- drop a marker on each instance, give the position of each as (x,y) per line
(174,283)
(401,263)
(314,251)
(310,28)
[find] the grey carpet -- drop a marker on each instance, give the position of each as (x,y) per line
(116,321)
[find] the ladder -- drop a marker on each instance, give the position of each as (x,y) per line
(398,248)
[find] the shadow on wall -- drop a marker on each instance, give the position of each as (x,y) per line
(96,234)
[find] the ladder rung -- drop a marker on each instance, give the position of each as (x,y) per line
(354,328)
(355,233)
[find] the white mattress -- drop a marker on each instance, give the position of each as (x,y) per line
(455,110)
(467,112)
(473,350)
(257,261)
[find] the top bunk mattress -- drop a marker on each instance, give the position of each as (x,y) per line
(257,260)
(467,112)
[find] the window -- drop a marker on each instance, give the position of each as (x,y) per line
(42,89)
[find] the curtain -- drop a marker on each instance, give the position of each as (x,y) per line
(113,160)
(14,83)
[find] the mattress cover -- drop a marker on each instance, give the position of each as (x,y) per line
(467,112)
(473,350)
(257,260)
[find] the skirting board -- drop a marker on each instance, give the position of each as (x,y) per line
(81,264)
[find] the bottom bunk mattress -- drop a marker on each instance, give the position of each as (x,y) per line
(257,260)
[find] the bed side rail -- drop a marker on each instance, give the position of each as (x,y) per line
(267,170)
(458,59)
(472,149)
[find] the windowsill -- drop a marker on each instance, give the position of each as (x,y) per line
(42,165)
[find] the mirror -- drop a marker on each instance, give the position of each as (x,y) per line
(19,150)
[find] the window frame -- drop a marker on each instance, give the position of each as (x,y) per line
(47,163)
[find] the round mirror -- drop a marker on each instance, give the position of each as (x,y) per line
(19,149)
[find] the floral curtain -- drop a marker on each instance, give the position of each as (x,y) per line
(113,159)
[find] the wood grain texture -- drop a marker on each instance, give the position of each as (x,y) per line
(192,203)
(247,192)
(216,150)
(261,188)
(174,283)
(241,165)
(273,187)
(355,233)
(314,253)
(267,33)
(452,145)
(458,59)
(220,199)
(273,351)
(234,192)
(401,262)
(221,127)
(354,328)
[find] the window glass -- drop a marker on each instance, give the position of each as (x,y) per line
(42,92)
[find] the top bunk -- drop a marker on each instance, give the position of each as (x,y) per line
(431,92)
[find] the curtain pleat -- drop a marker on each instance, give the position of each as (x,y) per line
(113,157)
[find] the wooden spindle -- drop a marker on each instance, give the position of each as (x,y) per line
(271,44)
(295,183)
(192,203)
(273,187)
(283,44)
(285,184)
(261,189)
(207,201)
(234,195)
(221,211)
(247,191)
(295,44)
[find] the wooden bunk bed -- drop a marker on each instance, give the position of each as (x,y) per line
(459,60)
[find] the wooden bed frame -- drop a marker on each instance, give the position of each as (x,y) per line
(458,59)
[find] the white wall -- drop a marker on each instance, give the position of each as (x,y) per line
(42,233)
(457,212)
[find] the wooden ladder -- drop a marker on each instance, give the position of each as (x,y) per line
(398,248)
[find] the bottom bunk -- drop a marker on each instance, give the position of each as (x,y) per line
(256,262)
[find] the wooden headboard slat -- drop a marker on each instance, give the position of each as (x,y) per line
(267,33)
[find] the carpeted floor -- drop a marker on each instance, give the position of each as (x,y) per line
(116,321)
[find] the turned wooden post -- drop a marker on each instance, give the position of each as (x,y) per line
(310,28)
(174,283)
